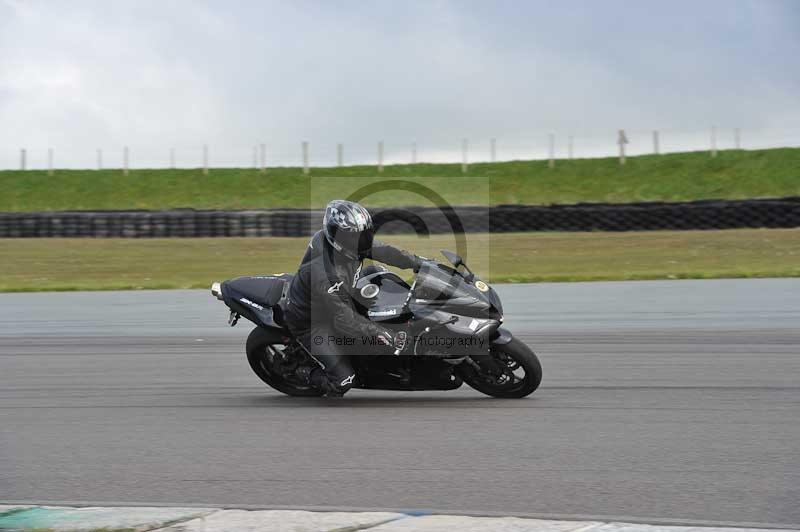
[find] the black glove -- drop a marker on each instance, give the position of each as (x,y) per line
(385,338)
(398,341)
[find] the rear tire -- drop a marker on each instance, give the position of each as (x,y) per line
(520,353)
(258,344)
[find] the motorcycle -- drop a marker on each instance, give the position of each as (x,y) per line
(447,327)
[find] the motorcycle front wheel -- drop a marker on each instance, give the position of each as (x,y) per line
(521,372)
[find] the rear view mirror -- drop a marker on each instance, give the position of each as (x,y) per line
(454,258)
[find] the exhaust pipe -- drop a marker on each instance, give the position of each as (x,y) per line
(216,291)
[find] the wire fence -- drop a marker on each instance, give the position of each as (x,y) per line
(550,147)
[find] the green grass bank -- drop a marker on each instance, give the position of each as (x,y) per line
(672,177)
(107,264)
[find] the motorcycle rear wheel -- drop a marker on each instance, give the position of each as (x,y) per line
(259,342)
(514,356)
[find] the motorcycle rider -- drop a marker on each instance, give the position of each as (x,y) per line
(319,309)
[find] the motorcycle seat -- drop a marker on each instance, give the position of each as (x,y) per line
(265,290)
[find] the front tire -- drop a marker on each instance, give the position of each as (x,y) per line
(515,357)
(261,344)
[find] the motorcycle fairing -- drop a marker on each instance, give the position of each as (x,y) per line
(389,304)
(502,336)
(405,373)
(443,287)
(257,298)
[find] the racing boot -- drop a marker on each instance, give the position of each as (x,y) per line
(319,379)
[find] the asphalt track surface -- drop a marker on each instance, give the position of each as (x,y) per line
(660,400)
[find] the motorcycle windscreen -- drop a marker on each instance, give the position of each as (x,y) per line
(436,282)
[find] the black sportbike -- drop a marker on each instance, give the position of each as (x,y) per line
(447,326)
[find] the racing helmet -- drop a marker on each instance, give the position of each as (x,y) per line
(348,228)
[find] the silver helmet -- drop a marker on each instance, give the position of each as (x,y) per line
(348,228)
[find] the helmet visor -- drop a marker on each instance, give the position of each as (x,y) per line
(355,244)
(365,243)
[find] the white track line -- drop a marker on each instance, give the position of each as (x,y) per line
(159,518)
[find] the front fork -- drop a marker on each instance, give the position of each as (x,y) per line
(487,363)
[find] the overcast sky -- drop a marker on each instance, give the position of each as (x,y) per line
(78,76)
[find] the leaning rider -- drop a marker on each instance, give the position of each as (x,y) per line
(320,309)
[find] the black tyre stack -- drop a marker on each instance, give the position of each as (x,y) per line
(654,216)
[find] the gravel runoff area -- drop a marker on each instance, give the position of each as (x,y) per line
(160,519)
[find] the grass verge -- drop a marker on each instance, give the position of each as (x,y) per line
(108,264)
(735,174)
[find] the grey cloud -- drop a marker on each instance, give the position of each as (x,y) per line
(82,75)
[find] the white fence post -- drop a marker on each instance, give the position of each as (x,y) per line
(339,155)
(262,158)
(493,151)
(49,161)
(23,156)
(570,142)
(205,159)
(172,158)
(380,156)
(305,157)
(552,158)
(464,157)
(414,152)
(125,160)
(737,138)
(622,140)
(713,141)
(99,159)
(656,142)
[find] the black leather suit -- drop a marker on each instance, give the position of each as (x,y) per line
(320,310)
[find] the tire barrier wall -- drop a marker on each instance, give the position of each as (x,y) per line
(784,212)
